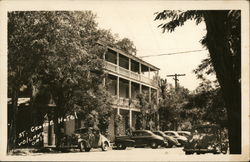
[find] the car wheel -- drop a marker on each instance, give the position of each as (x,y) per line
(81,146)
(181,143)
(170,145)
(121,146)
(224,152)
(87,149)
(154,145)
(105,146)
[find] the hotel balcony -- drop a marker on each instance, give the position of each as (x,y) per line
(130,67)
(125,103)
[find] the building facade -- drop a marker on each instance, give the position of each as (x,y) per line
(127,76)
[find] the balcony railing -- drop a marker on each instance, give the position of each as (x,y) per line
(134,75)
(125,102)
(111,66)
(124,71)
(145,79)
(120,70)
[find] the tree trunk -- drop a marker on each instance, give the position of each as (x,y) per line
(57,127)
(221,57)
(12,131)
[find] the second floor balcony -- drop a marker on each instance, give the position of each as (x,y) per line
(125,102)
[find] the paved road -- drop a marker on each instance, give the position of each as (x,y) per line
(130,154)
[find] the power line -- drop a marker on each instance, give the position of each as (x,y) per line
(174,53)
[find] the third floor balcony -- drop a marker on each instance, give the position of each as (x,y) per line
(131,67)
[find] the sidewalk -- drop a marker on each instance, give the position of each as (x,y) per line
(28,151)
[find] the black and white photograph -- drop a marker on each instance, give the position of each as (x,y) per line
(124,80)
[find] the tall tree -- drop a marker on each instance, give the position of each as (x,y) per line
(57,49)
(223,40)
(206,101)
(126,45)
(171,104)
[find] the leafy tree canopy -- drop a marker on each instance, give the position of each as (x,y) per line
(223,41)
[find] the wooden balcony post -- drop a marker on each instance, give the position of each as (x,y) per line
(140,88)
(104,54)
(130,118)
(157,96)
(149,72)
(129,89)
(118,111)
(129,66)
(149,94)
(157,113)
(104,81)
(117,86)
(117,61)
(117,93)
(139,71)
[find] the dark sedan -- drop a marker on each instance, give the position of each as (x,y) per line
(171,140)
(140,138)
(181,139)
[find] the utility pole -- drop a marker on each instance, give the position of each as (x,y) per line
(176,79)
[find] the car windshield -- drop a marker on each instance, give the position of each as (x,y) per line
(158,133)
(183,134)
(171,134)
(142,133)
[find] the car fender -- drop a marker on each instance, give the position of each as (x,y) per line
(102,140)
(158,138)
(86,143)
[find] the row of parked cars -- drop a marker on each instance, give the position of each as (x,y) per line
(204,139)
(142,138)
(87,138)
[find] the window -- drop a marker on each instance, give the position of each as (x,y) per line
(145,134)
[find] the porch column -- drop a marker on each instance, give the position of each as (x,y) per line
(117,61)
(140,88)
(117,93)
(104,81)
(129,89)
(139,71)
(148,72)
(158,115)
(157,96)
(149,94)
(104,54)
(130,118)
(130,111)
(129,66)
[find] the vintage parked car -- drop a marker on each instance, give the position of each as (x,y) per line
(85,139)
(122,142)
(90,138)
(207,138)
(171,140)
(186,134)
(181,139)
(140,138)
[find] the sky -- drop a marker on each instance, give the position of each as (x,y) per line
(136,22)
